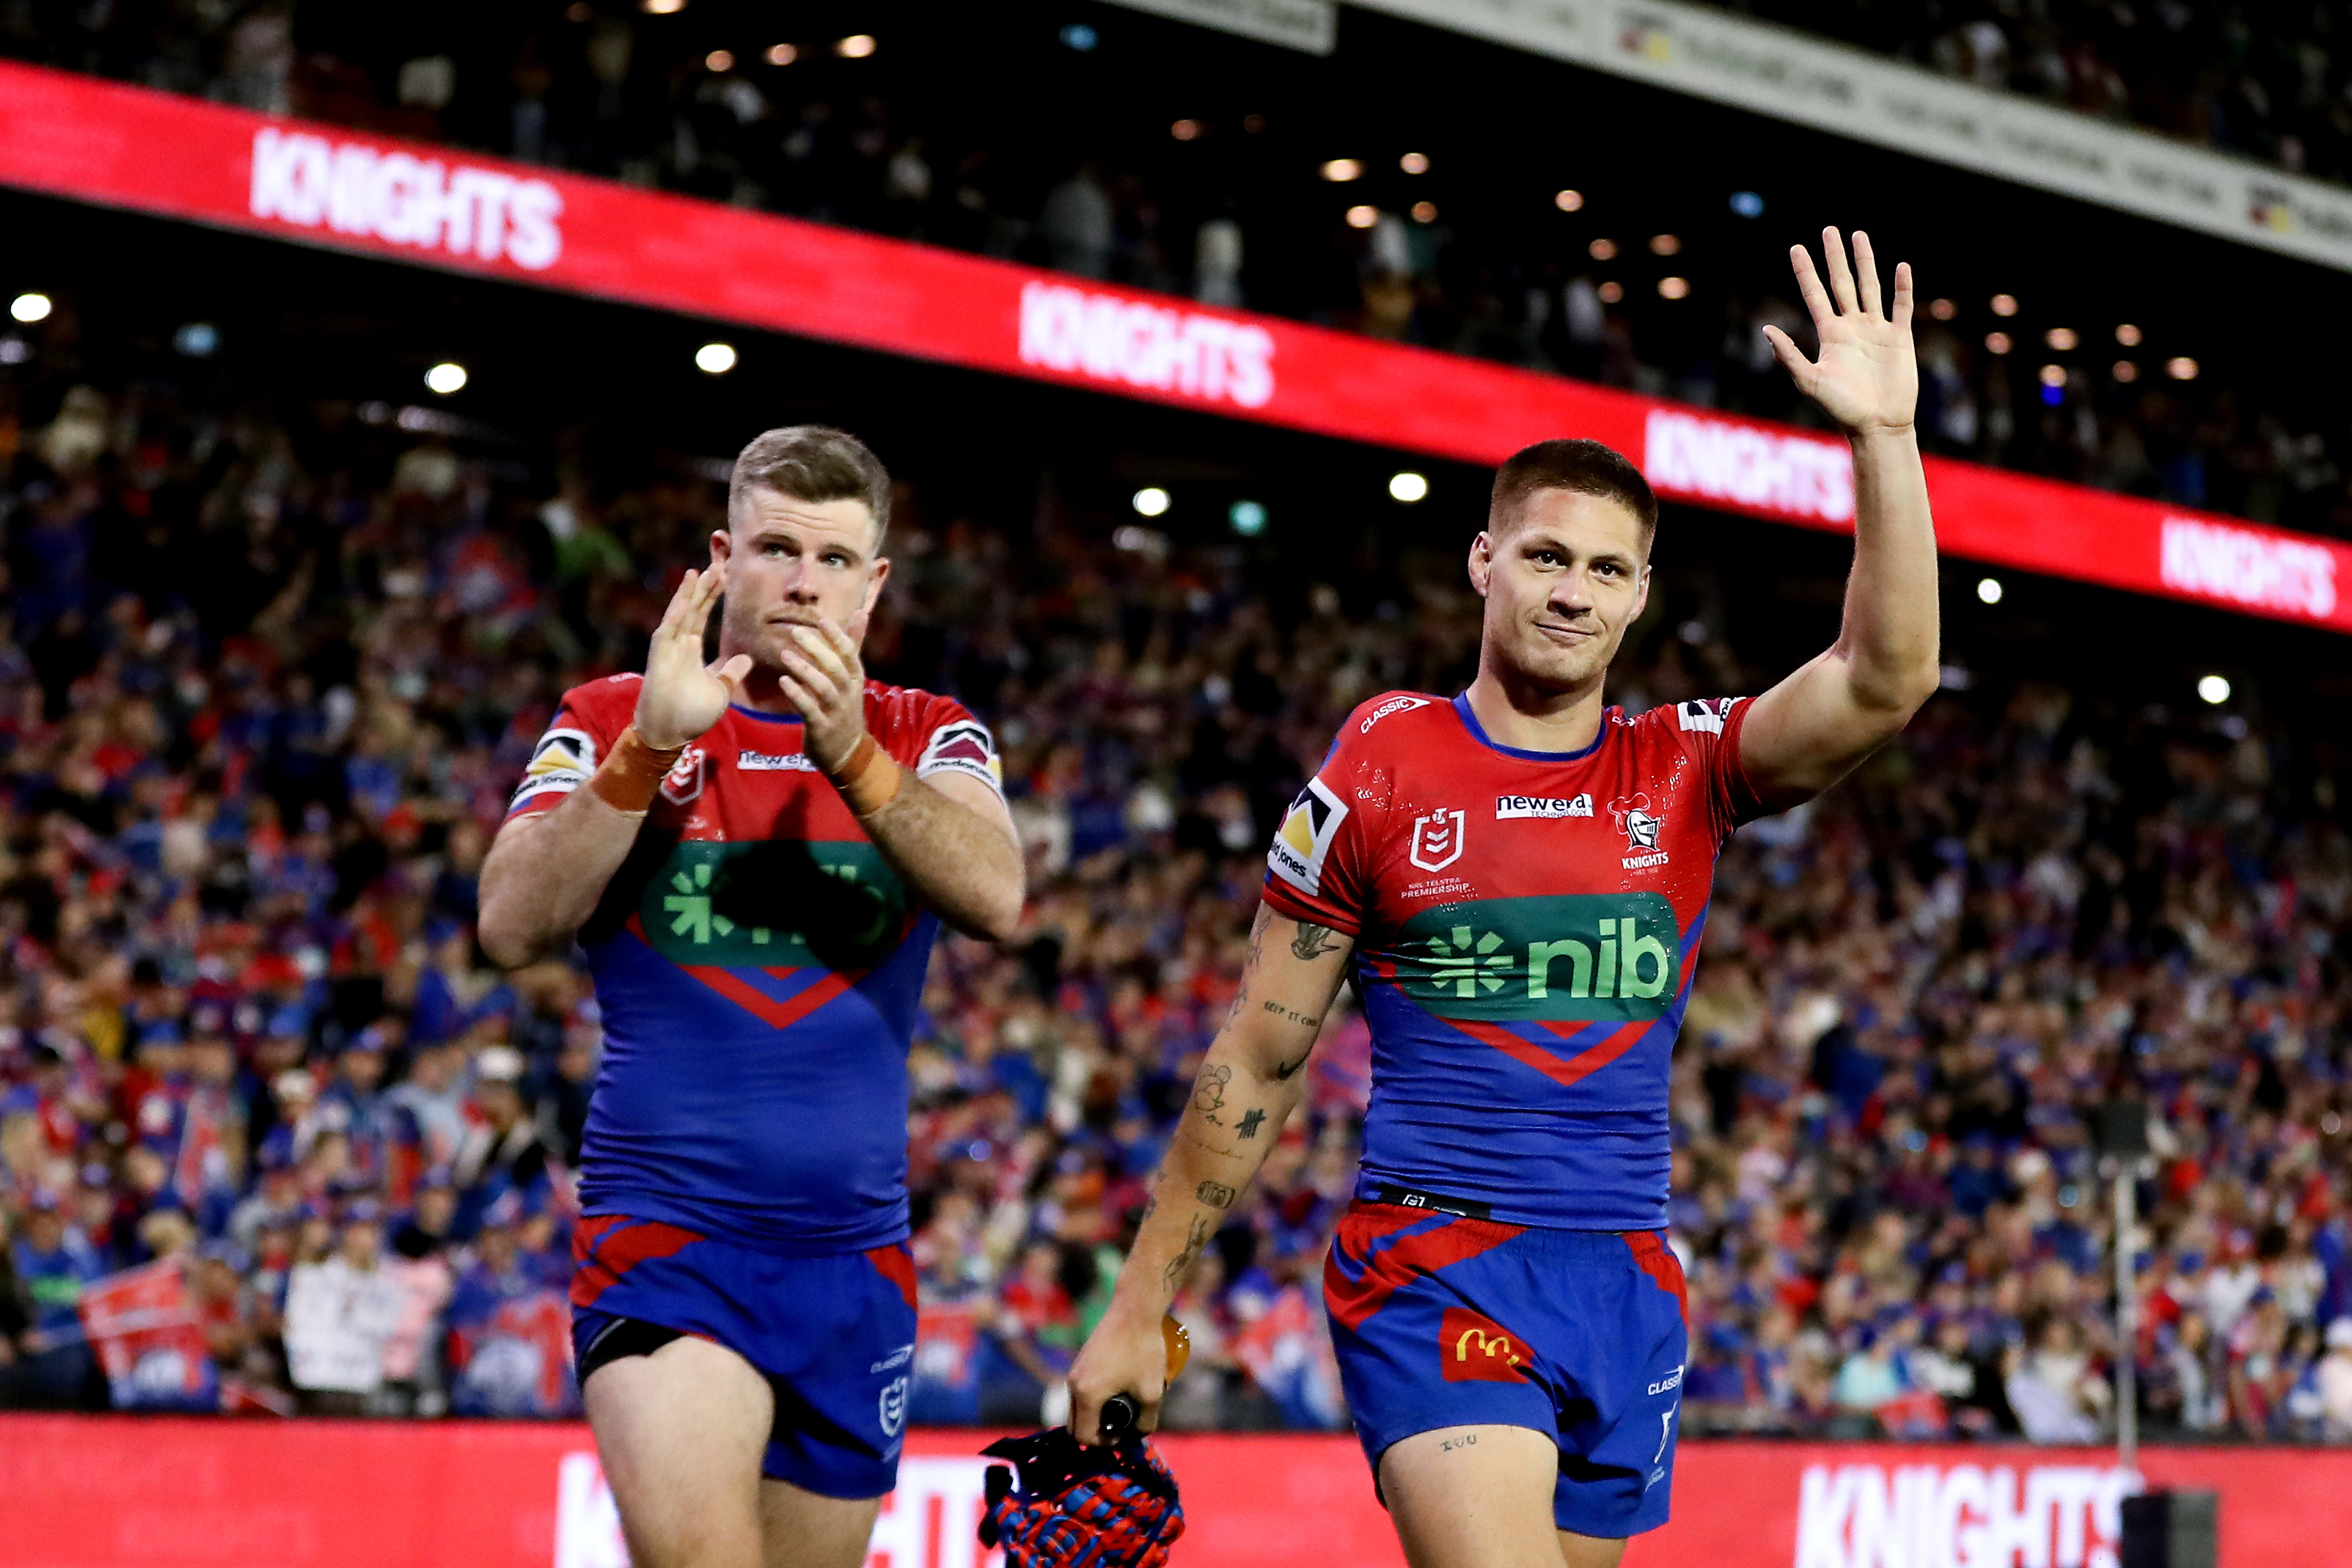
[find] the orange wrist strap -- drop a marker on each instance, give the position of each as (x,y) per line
(870,779)
(630,772)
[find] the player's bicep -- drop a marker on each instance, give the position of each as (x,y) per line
(1294,973)
(1811,731)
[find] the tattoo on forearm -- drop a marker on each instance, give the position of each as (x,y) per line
(1284,1072)
(1182,1261)
(1216,1194)
(1313,941)
(1248,1129)
(1208,1092)
(1304,1020)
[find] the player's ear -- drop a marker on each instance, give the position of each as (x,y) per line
(1641,595)
(722,543)
(1482,561)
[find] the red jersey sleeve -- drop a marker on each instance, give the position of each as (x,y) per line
(1709,728)
(933,734)
(586,723)
(1320,867)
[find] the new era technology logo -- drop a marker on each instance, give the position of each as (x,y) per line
(1511,807)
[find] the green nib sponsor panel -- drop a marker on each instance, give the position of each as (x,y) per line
(781,904)
(1593,957)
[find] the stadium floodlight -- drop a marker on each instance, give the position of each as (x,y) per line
(197,340)
(1602,250)
(1997,343)
(1665,245)
(1339,171)
(2214,689)
(1989,590)
(2004,304)
(2180,368)
(1672,288)
(1424,212)
(1362,216)
(2126,370)
(2128,335)
(1942,310)
(1415,162)
(715,359)
(1248,518)
(783,53)
(2053,375)
(1185,130)
(855,47)
(720,61)
(663,7)
(1569,201)
(1149,501)
(447,377)
(29,307)
(1407,486)
(2060,338)
(1747,204)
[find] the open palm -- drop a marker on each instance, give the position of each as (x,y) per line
(1866,377)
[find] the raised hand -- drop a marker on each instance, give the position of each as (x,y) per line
(824,678)
(683,696)
(1866,378)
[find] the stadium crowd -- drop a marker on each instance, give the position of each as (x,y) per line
(273,1135)
(829,135)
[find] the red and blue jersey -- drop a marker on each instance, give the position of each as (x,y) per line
(1527,927)
(757,965)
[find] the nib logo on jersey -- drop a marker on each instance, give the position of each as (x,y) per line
(774,903)
(1593,957)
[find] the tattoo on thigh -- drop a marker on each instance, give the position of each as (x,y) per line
(1467,1440)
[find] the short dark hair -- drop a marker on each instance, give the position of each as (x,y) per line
(814,463)
(1586,467)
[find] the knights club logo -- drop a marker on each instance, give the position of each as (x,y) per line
(1638,824)
(1437,841)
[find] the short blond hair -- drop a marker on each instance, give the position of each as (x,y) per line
(814,463)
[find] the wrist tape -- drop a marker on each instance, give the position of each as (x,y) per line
(630,772)
(870,779)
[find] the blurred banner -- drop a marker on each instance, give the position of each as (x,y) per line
(1832,87)
(153,153)
(135,1493)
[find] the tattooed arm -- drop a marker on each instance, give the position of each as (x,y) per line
(1247,1087)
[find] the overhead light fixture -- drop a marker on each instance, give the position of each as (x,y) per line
(1942,310)
(1997,343)
(447,377)
(2180,368)
(1149,501)
(2004,304)
(1665,245)
(2128,335)
(1424,212)
(2214,689)
(1362,216)
(1407,486)
(1602,250)
(2060,338)
(1672,288)
(1989,590)
(715,359)
(1247,517)
(855,47)
(719,61)
(30,308)
(1569,201)
(1415,162)
(783,53)
(1185,130)
(1339,171)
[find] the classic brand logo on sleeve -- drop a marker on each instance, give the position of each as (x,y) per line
(1305,837)
(1512,807)
(1587,957)
(964,747)
(352,188)
(1393,705)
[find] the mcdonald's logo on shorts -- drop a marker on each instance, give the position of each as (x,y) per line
(1474,1348)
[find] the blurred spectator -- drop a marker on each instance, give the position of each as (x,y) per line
(52,1263)
(342,1312)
